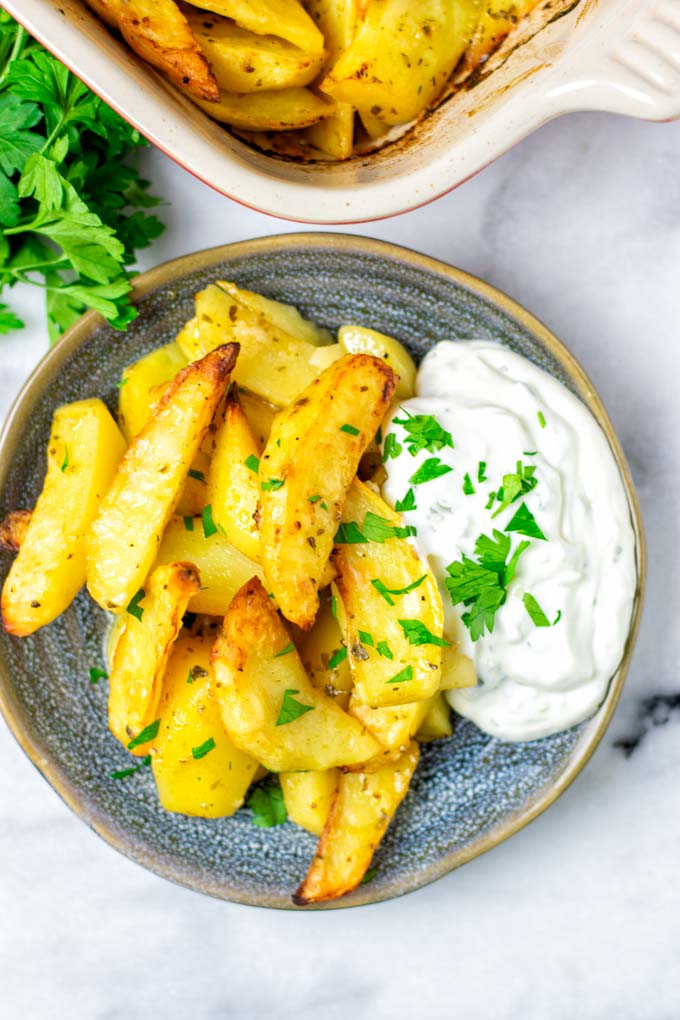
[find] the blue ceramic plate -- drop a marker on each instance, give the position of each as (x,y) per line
(471,791)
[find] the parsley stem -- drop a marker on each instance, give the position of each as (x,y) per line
(19,41)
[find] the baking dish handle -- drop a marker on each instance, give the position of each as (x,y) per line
(627,62)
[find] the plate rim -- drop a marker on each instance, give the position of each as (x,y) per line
(163,274)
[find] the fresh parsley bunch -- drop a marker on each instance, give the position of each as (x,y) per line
(71,206)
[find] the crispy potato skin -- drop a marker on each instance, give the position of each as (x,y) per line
(314,449)
(250,679)
(309,797)
(142,650)
(83,454)
(360,340)
(363,808)
(211,786)
(126,533)
(13,529)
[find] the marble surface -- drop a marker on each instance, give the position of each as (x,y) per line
(577,916)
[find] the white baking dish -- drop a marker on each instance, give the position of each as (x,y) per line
(621,56)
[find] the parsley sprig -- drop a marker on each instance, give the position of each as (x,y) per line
(423,432)
(482,585)
(63,155)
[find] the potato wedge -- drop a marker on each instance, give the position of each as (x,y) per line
(401,57)
(233,488)
(198,770)
(308,797)
(270,110)
(223,568)
(286,19)
(324,656)
(495,22)
(363,808)
(307,466)
(272,364)
(286,318)
(158,31)
(392,606)
(143,647)
(336,20)
(125,535)
(269,706)
(334,135)
(13,529)
(107,10)
(360,340)
(142,385)
(394,726)
(457,670)
(437,723)
(83,453)
(194,494)
(260,415)
(244,62)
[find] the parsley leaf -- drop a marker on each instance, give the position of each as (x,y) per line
(416,633)
(134,608)
(536,613)
(200,752)
(209,526)
(541,419)
(290,647)
(468,487)
(366,638)
(272,484)
(482,586)
(188,524)
(268,806)
(516,484)
(481,471)
(149,732)
(292,709)
(382,648)
(392,447)
(97,674)
(338,656)
(373,529)
(64,463)
(525,523)
(429,470)
(405,674)
(198,475)
(388,592)
(407,503)
(351,430)
(423,433)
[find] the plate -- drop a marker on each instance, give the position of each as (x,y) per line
(471,791)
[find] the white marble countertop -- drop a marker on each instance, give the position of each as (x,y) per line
(577,916)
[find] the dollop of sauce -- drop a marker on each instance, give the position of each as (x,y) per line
(506,415)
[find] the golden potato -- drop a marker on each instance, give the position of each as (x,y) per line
(233,488)
(286,318)
(83,453)
(244,62)
(286,19)
(13,529)
(437,723)
(308,797)
(223,568)
(270,110)
(198,771)
(307,466)
(363,808)
(457,670)
(360,340)
(391,602)
(125,535)
(158,31)
(495,21)
(336,19)
(324,655)
(394,726)
(142,385)
(334,135)
(269,706)
(260,415)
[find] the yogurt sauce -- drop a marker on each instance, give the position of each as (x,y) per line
(500,409)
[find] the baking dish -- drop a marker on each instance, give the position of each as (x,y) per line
(621,56)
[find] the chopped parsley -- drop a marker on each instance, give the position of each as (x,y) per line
(536,613)
(64,463)
(198,475)
(195,673)
(272,484)
(323,506)
(134,608)
(252,463)
(209,526)
(313,499)
(351,430)
(124,773)
(405,674)
(525,523)
(366,638)
(200,752)
(338,656)
(149,732)
(97,674)
(481,471)
(482,585)
(515,485)
(416,633)
(541,419)
(407,503)
(189,523)
(382,648)
(392,447)
(268,806)
(378,436)
(373,529)
(468,487)
(290,647)
(429,470)
(386,592)
(369,876)
(291,709)
(423,432)
(490,501)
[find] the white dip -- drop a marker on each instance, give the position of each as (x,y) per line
(533,680)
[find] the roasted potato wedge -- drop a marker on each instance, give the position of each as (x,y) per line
(269,706)
(334,135)
(83,453)
(142,385)
(394,726)
(324,656)
(307,466)
(158,31)
(457,670)
(286,19)
(437,723)
(272,364)
(308,797)
(336,19)
(287,318)
(198,770)
(270,110)
(392,606)
(360,340)
(125,535)
(401,57)
(223,568)
(244,62)
(233,488)
(107,10)
(495,21)
(143,647)
(13,529)
(363,807)
(260,415)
